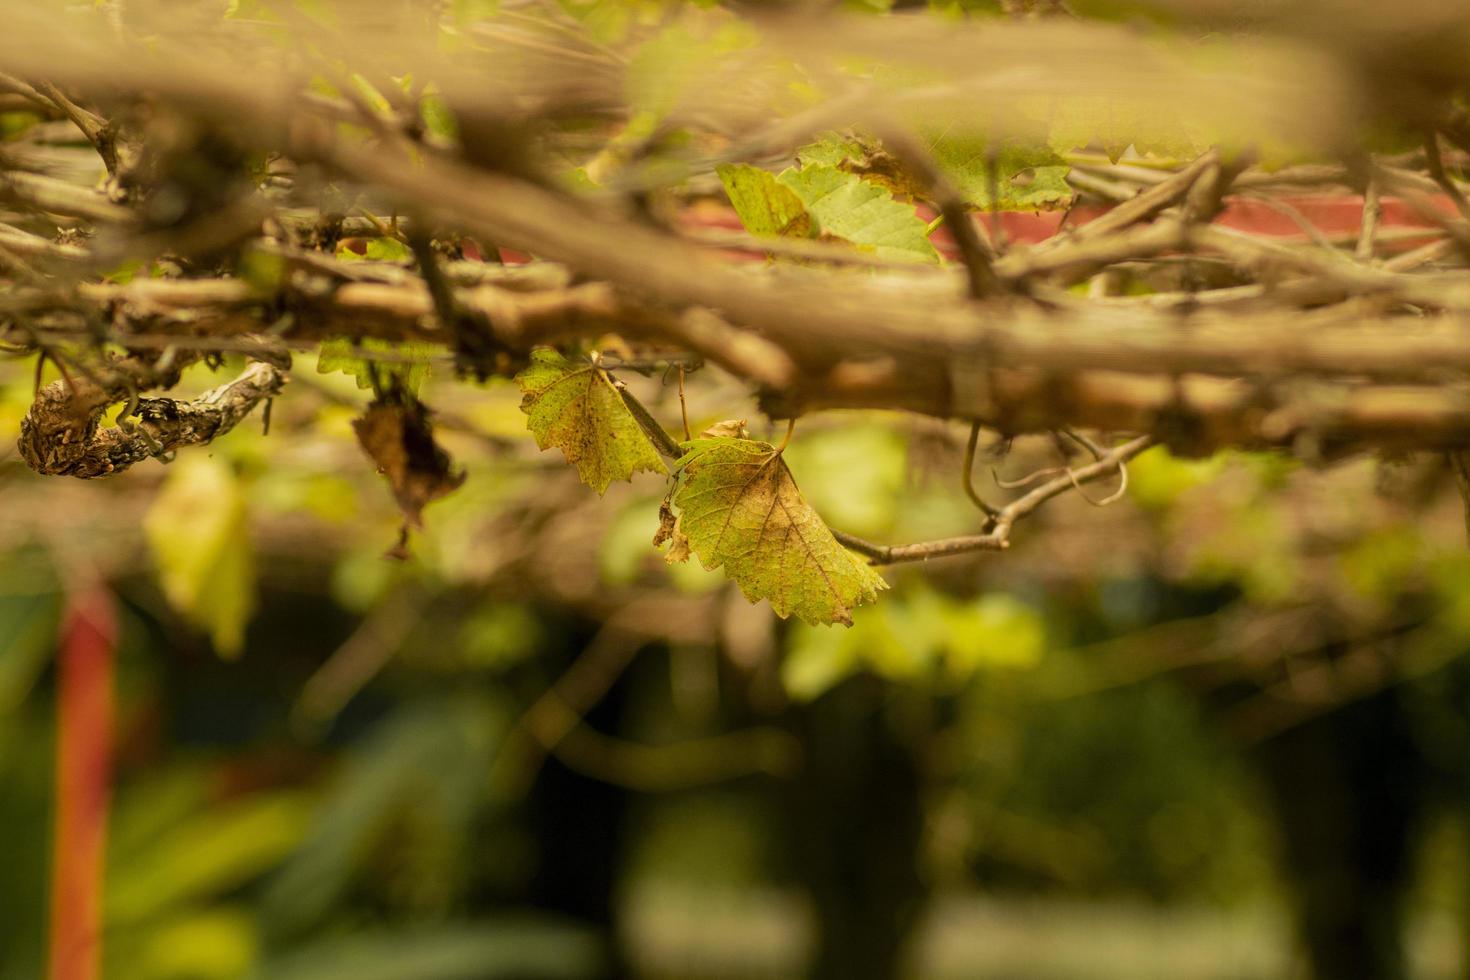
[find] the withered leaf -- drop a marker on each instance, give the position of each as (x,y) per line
(397,435)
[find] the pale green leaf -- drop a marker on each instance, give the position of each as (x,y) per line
(28,623)
(509,948)
(919,633)
(438,117)
(575,407)
(407,364)
(845,206)
(219,943)
(198,534)
(1010,177)
(864,156)
(832,150)
(765,206)
(378,250)
(1157,479)
(740,509)
(213,852)
(993,631)
(676,61)
(1116,124)
(817,660)
(855,475)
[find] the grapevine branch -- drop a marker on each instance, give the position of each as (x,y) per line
(1318,349)
(998,538)
(1001,521)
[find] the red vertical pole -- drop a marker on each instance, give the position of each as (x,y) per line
(84,718)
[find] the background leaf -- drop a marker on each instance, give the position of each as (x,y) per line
(765,205)
(533,949)
(858,211)
(1026,178)
(197,531)
(346,356)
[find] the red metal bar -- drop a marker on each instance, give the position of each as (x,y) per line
(84,728)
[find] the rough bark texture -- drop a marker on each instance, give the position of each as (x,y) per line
(61,434)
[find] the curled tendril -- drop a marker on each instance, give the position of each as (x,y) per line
(967,476)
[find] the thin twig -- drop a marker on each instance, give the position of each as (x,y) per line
(1372,215)
(1435,164)
(967,473)
(683,406)
(998,538)
(977,256)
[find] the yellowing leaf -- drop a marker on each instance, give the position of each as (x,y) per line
(740,509)
(575,407)
(766,207)
(377,250)
(198,534)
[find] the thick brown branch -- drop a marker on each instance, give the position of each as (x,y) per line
(60,434)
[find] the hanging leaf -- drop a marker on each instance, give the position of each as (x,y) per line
(197,531)
(575,407)
(739,508)
(846,206)
(397,435)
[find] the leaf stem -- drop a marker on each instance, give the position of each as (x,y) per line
(790,428)
(969,471)
(662,441)
(683,405)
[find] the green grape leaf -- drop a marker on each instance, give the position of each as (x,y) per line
(678,60)
(575,407)
(198,533)
(824,199)
(377,250)
(438,118)
(845,206)
(739,508)
(833,150)
(862,155)
(1026,178)
(765,206)
(1115,124)
(408,366)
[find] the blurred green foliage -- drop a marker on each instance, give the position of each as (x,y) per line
(374,832)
